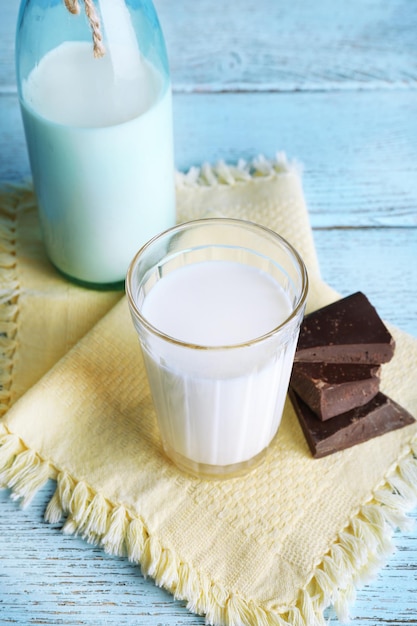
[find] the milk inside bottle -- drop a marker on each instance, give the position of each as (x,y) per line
(99,136)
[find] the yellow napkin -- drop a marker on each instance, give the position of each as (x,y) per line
(274,547)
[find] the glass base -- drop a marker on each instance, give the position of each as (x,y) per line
(214,472)
(116,286)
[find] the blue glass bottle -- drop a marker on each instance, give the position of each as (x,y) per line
(95,95)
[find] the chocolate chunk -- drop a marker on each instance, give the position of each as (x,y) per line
(333,388)
(347,331)
(379,416)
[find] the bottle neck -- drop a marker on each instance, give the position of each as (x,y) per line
(73,7)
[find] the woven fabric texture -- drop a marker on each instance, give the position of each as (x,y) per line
(276,546)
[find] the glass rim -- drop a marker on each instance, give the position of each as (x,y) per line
(232,222)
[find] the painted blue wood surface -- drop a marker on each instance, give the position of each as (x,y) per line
(334,85)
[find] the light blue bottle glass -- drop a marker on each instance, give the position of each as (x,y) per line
(96,103)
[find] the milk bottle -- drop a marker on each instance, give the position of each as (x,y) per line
(98,125)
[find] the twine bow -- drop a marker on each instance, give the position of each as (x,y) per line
(73,7)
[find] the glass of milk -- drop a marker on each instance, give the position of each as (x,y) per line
(217,305)
(97,115)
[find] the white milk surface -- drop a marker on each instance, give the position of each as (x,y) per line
(218,406)
(101,153)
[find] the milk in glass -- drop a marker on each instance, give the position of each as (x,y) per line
(219,401)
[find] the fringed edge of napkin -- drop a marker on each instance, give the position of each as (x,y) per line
(358,553)
(10,198)
(221,173)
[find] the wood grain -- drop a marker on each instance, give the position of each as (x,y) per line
(51,579)
(359,168)
(270,45)
(377,262)
(334,85)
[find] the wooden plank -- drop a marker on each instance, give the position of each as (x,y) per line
(360,169)
(8,11)
(14,162)
(378,262)
(332,84)
(314,45)
(322,45)
(50,578)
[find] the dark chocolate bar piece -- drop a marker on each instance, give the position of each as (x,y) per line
(333,388)
(347,331)
(379,416)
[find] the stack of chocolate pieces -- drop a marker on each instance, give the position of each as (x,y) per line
(335,381)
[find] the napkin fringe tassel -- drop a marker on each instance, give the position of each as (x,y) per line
(359,551)
(10,199)
(221,173)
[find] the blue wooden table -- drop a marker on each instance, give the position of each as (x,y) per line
(334,85)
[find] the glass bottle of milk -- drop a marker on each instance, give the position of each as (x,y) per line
(95,96)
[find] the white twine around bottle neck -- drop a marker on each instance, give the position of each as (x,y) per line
(73,7)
